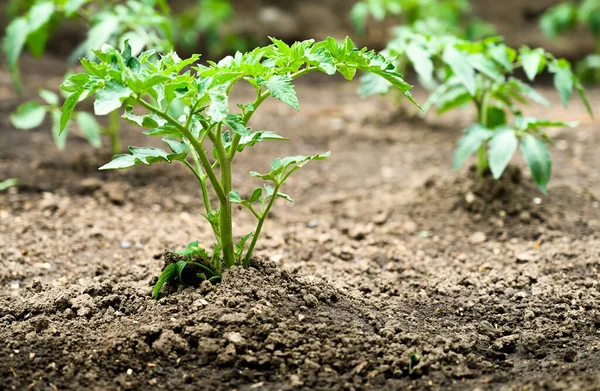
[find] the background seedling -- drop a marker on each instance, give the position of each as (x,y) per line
(448,16)
(482,73)
(143,23)
(207,130)
(568,16)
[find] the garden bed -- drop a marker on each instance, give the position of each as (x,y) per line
(392,272)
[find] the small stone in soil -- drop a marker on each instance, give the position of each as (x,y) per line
(125,244)
(313,224)
(477,237)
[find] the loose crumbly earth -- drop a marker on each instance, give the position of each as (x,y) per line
(390,271)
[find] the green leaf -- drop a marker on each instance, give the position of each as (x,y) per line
(372,84)
(60,137)
(143,121)
(281,87)
(496,116)
(256,194)
(468,144)
(29,115)
(584,98)
(533,61)
(49,97)
(168,274)
(36,41)
(241,245)
(219,107)
(67,109)
(236,123)
(75,83)
(146,156)
(486,66)
(193,249)
(538,158)
(502,147)
(72,6)
(460,67)
(111,97)
(234,196)
(563,79)
(422,63)
(8,183)
(39,14)
(90,128)
(179,266)
(15,37)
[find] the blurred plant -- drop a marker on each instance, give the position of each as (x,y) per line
(31,114)
(205,22)
(481,73)
(568,16)
(452,16)
(142,22)
(154,86)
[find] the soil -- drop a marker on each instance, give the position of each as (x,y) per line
(390,271)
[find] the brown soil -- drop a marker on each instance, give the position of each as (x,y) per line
(390,271)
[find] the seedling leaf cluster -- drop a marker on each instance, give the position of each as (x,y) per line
(444,16)
(482,73)
(570,15)
(188,105)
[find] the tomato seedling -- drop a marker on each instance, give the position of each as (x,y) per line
(449,16)
(208,131)
(482,73)
(568,16)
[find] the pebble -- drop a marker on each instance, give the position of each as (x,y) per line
(235,338)
(125,244)
(477,238)
(313,224)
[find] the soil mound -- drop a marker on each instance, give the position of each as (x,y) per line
(513,205)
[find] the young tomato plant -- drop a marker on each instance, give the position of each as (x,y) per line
(481,73)
(569,16)
(207,131)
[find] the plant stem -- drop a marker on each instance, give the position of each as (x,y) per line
(261,221)
(225,215)
(482,107)
(236,138)
(482,161)
(113,131)
(197,146)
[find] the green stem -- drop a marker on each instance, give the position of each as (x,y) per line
(482,158)
(202,181)
(197,146)
(482,161)
(113,132)
(236,137)
(259,226)
(226,210)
